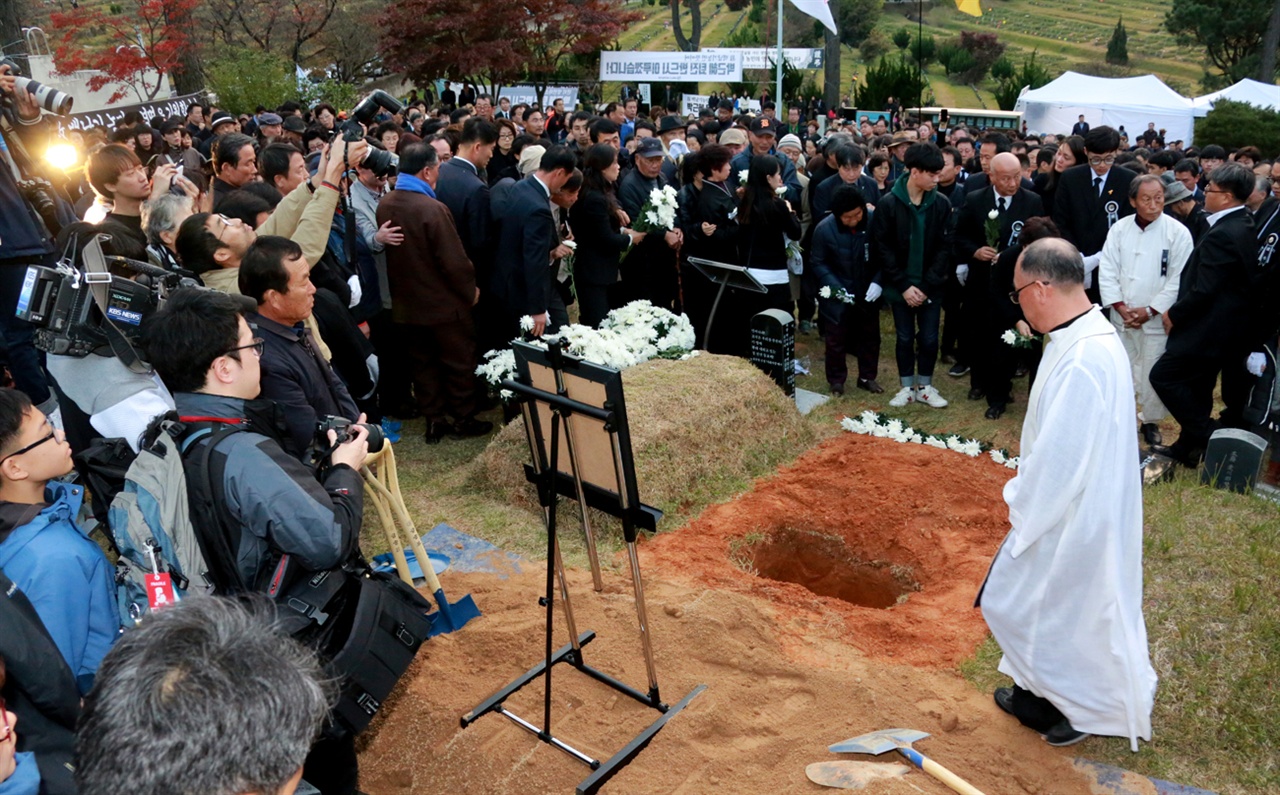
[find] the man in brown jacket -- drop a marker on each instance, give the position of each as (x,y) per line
(433,287)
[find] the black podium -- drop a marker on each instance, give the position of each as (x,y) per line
(576,425)
(725,275)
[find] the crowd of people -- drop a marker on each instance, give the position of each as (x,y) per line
(338,265)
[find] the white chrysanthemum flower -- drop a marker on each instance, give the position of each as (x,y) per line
(998,456)
(870,417)
(972,448)
(743,174)
(916,438)
(954,443)
(895,426)
(1010,337)
(506,394)
(1013,462)
(993,215)
(526,323)
(781,190)
(935,441)
(824,292)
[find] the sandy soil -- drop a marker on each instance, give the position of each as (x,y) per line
(788,671)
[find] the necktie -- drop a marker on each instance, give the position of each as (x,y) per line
(1002,203)
(1097,185)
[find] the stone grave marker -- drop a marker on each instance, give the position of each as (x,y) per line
(773,347)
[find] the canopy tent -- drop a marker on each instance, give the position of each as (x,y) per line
(1129,101)
(1251,91)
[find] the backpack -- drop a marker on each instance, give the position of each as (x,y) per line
(150,520)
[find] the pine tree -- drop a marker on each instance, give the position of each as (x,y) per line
(1118,47)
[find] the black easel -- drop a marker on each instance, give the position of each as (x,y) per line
(545,474)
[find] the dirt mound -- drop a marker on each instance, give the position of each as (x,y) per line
(885,543)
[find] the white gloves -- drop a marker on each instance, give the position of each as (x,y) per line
(1091,262)
(873,292)
(1256,364)
(356,291)
(962,274)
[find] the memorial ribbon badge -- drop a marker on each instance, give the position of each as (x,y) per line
(1113,212)
(1267,250)
(1014,233)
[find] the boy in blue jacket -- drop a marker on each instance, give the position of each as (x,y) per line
(64,574)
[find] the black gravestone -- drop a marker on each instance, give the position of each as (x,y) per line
(773,347)
(1233,459)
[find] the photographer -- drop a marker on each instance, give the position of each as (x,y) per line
(276,511)
(25,236)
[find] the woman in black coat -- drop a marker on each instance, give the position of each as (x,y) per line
(1070,153)
(709,211)
(599,233)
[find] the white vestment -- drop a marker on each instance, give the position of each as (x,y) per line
(1142,267)
(1064,594)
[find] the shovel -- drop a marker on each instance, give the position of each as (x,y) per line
(852,775)
(384,489)
(900,740)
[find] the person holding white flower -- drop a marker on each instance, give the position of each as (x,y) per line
(911,249)
(649,272)
(598,231)
(1138,277)
(714,237)
(840,260)
(765,220)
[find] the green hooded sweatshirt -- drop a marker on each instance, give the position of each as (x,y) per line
(915,252)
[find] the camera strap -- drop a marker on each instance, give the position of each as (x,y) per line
(98,278)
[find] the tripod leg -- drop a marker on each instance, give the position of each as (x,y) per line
(553,550)
(592,555)
(643,616)
(564,597)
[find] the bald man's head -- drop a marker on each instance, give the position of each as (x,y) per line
(1006,173)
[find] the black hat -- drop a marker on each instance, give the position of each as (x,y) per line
(295,124)
(650,147)
(670,123)
(171,124)
(221,117)
(762,125)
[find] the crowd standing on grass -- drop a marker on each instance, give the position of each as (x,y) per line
(358,263)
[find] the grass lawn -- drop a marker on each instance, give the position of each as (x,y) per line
(1211,574)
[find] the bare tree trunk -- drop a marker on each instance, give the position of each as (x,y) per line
(831,71)
(1267,71)
(12,14)
(691,43)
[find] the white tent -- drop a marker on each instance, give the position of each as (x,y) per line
(1250,91)
(1129,101)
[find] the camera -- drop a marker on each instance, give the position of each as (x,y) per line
(39,194)
(342,427)
(379,161)
(71,309)
(49,98)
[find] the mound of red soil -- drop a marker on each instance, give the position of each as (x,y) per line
(884,543)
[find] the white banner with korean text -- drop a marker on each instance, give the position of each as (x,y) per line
(671,67)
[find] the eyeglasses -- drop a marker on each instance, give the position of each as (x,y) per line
(1215,190)
(1097,161)
(1013,296)
(256,346)
(226,222)
(27,449)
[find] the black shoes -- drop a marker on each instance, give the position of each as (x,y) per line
(837,390)
(958,370)
(995,412)
(1184,454)
(870,385)
(1004,699)
(976,394)
(470,427)
(1062,735)
(1151,433)
(437,431)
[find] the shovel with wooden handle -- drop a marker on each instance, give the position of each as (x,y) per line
(900,740)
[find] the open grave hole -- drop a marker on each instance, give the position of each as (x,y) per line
(825,565)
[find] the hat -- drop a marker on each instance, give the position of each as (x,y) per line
(1175,192)
(670,123)
(221,117)
(530,158)
(762,125)
(733,135)
(170,125)
(295,124)
(902,138)
(650,147)
(791,139)
(268,119)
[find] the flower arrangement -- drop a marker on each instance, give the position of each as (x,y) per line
(869,423)
(627,336)
(659,212)
(1015,339)
(992,228)
(839,294)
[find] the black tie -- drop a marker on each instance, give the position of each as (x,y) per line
(1097,186)
(1001,202)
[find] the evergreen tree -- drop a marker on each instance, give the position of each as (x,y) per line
(1118,47)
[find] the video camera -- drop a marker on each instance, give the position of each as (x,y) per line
(379,161)
(49,98)
(78,312)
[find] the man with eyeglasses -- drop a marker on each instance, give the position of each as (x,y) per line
(64,573)
(1071,566)
(275,507)
(1092,197)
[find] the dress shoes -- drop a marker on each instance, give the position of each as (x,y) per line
(995,412)
(837,390)
(870,385)
(437,431)
(470,427)
(1004,699)
(1151,434)
(976,394)
(1186,455)
(1062,735)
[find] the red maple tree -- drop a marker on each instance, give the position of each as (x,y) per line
(146,36)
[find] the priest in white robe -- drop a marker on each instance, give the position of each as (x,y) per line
(1064,594)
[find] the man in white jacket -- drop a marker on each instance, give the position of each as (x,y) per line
(1064,594)
(1138,277)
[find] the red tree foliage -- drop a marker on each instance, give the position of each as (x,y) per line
(147,35)
(496,41)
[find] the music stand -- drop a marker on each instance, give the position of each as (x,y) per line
(725,275)
(574,412)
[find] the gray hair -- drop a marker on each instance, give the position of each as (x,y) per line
(1139,181)
(1262,185)
(206,696)
(161,215)
(1053,260)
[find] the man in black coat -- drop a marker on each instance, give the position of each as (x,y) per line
(1091,197)
(649,272)
(526,236)
(1081,127)
(1013,206)
(463,188)
(1211,325)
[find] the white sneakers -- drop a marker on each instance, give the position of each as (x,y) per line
(905,395)
(922,394)
(930,397)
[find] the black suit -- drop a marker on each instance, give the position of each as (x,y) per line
(462,189)
(526,236)
(597,231)
(979,335)
(1084,217)
(1080,128)
(1211,330)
